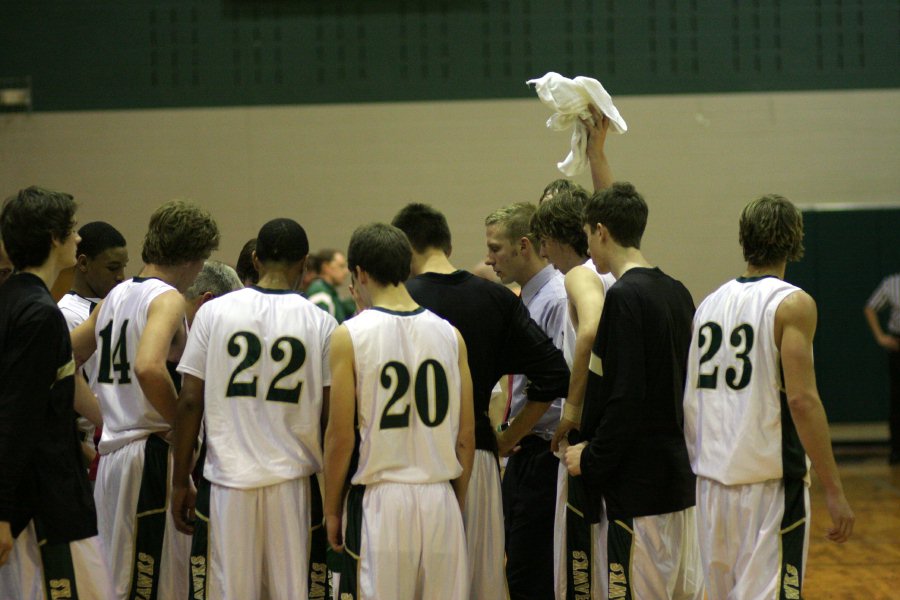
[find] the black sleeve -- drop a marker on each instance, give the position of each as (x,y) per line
(26,374)
(528,351)
(620,392)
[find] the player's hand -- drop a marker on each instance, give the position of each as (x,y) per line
(562,433)
(889,342)
(573,458)
(184,499)
(6,542)
(335,535)
(505,447)
(842,517)
(597,127)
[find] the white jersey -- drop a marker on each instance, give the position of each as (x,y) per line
(408,396)
(607,280)
(737,424)
(263,355)
(127,414)
(76,309)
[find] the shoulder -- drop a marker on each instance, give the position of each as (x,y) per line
(796,305)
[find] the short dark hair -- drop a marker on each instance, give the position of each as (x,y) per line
(98,236)
(281,240)
(560,218)
(381,250)
(244,267)
(31,220)
(326,255)
(771,231)
(622,210)
(557,186)
(424,226)
(179,232)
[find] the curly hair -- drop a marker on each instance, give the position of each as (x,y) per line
(179,232)
(559,218)
(771,231)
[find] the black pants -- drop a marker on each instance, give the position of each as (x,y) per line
(894,418)
(529,504)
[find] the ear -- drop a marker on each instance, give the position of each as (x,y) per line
(524,243)
(361,276)
(255,260)
(81,262)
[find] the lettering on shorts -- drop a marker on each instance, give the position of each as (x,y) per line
(198,577)
(145,567)
(580,576)
(60,588)
(618,582)
(318,579)
(791,582)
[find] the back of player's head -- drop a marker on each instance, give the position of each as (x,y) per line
(179,232)
(244,267)
(31,220)
(515,220)
(424,226)
(558,186)
(281,240)
(215,277)
(771,231)
(622,210)
(559,218)
(98,236)
(382,251)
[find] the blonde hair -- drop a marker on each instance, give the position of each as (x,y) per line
(771,231)
(179,232)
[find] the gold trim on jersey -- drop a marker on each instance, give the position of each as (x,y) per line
(67,370)
(596,365)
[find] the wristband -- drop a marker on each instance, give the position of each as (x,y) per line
(572,412)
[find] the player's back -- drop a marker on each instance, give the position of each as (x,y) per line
(737,424)
(263,355)
(127,414)
(408,396)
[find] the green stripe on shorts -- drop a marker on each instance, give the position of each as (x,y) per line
(199,584)
(619,543)
(59,571)
(150,520)
(793,534)
(349,589)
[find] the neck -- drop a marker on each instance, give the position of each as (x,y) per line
(776,270)
(392,297)
(533,267)
(279,280)
(81,287)
(432,260)
(569,260)
(171,274)
(625,259)
(47,272)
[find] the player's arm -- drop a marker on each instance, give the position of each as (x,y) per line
(585,292)
(601,173)
(84,339)
(188,418)
(465,437)
(339,435)
(164,316)
(795,325)
(888,342)
(86,403)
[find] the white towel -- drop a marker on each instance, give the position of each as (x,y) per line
(569,98)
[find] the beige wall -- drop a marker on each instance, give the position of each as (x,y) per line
(697,159)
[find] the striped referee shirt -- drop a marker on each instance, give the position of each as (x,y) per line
(888,294)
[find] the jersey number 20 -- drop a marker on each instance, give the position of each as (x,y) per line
(400,383)
(295,356)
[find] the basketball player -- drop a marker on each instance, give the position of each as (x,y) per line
(256,374)
(140,326)
(634,463)
(751,408)
(102,257)
(502,339)
(48,526)
(401,373)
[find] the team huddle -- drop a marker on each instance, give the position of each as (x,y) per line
(254,447)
